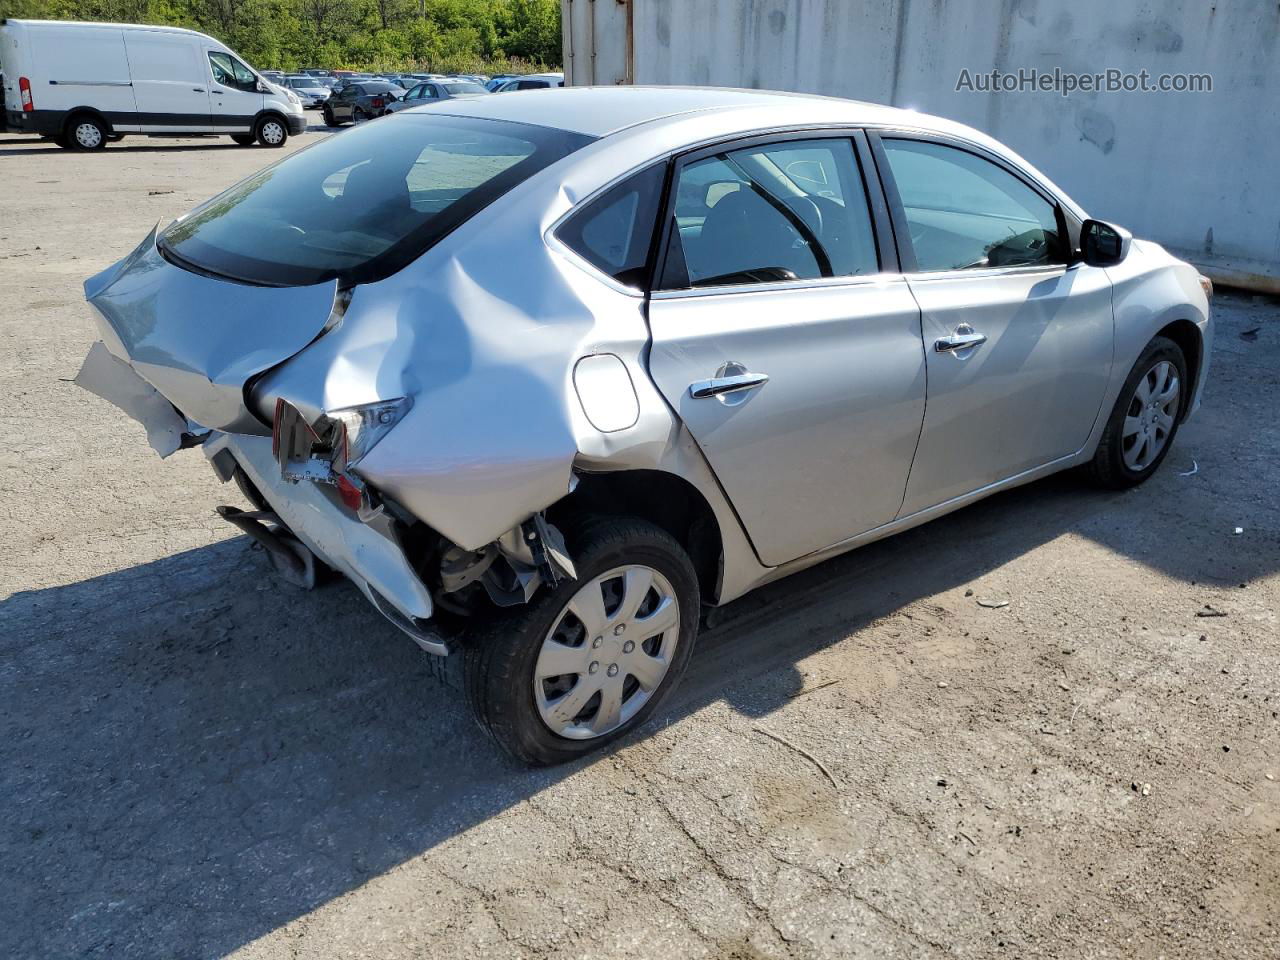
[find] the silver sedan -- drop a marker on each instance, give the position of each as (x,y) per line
(571,368)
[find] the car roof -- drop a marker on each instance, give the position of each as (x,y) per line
(601,111)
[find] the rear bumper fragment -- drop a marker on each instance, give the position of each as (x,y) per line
(369,554)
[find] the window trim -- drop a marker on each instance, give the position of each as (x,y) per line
(886,254)
(881,224)
(1068,226)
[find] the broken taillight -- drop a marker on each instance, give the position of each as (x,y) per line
(351,495)
(24,87)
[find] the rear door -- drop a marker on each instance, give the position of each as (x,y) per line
(1018,339)
(79,65)
(786,339)
(169,84)
(234,98)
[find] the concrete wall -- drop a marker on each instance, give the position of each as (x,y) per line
(1197,172)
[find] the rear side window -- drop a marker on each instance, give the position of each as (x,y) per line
(967,213)
(362,205)
(793,210)
(615,231)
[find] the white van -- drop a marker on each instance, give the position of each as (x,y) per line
(83,84)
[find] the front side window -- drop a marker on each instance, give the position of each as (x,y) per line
(782,211)
(965,212)
(615,231)
(230,72)
(361,206)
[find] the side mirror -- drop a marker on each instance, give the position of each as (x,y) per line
(1103,244)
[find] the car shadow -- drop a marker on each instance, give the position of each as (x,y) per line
(195,754)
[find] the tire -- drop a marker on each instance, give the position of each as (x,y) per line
(503,664)
(328,117)
(244,139)
(86,132)
(1138,436)
(271,132)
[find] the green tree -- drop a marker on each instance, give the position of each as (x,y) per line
(449,35)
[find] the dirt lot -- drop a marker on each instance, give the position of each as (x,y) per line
(196,760)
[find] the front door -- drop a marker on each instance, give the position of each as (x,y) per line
(791,356)
(170,86)
(342,105)
(1018,341)
(234,97)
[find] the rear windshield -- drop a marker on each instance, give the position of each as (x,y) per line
(362,204)
(464,88)
(378,86)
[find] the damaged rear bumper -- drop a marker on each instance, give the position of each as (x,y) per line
(368,553)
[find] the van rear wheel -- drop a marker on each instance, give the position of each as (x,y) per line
(86,133)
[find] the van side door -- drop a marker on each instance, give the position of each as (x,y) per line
(234,97)
(81,65)
(169,84)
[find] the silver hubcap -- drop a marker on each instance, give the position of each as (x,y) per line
(88,135)
(1149,419)
(272,132)
(607,652)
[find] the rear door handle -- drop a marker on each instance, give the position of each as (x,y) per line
(197,89)
(962,339)
(718,386)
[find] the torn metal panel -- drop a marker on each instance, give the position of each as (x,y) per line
(198,339)
(368,553)
(113,380)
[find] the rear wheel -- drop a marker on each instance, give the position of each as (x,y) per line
(244,139)
(1145,419)
(86,133)
(329,121)
(271,132)
(592,658)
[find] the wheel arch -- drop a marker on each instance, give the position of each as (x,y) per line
(667,500)
(1190,340)
(269,112)
(86,111)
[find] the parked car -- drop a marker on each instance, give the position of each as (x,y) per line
(539,81)
(576,366)
(83,84)
(434,92)
(493,83)
(361,100)
(275,76)
(309,90)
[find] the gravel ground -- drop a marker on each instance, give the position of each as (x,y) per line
(196,760)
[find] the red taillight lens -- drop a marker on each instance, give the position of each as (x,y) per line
(349,492)
(24,86)
(377,103)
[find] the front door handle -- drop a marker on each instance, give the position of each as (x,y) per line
(965,338)
(718,386)
(197,89)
